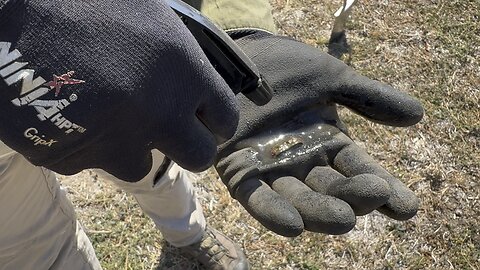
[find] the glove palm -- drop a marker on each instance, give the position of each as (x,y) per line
(291,163)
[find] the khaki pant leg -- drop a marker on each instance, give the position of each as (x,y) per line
(38,226)
(170,201)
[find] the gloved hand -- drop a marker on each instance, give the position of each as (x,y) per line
(291,163)
(98,84)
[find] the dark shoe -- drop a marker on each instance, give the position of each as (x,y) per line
(217,252)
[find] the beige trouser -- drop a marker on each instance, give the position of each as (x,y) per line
(39,229)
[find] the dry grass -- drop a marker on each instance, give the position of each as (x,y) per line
(430,49)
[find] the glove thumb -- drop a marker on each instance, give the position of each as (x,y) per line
(377,101)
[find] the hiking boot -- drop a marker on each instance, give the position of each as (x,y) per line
(217,252)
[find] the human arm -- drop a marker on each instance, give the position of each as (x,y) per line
(99,84)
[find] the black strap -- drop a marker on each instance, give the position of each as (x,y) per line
(162,169)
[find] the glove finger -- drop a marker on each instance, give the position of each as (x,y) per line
(402,203)
(269,208)
(377,101)
(219,112)
(194,148)
(364,192)
(320,213)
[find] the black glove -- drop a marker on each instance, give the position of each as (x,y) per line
(291,163)
(98,84)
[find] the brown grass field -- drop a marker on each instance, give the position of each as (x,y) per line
(430,49)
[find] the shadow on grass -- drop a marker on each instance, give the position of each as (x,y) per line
(338,45)
(171,259)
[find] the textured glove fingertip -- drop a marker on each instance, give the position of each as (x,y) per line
(269,208)
(364,192)
(414,114)
(320,213)
(402,205)
(403,110)
(378,101)
(193,157)
(324,214)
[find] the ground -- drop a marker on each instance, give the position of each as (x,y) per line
(430,49)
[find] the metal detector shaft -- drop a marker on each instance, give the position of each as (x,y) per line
(240,73)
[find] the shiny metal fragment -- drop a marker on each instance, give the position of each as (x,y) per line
(286,145)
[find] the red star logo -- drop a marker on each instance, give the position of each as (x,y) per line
(59,81)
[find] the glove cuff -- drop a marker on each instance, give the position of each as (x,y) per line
(250,32)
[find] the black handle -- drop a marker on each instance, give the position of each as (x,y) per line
(240,73)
